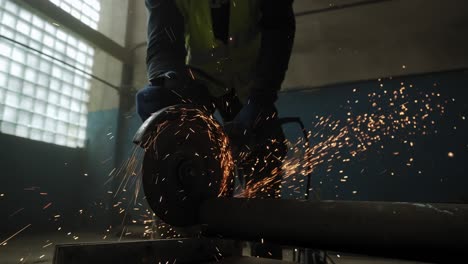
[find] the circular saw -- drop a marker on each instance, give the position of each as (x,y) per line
(187,160)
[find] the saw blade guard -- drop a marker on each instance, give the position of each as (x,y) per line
(187,160)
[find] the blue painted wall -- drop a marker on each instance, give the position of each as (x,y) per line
(100,161)
(35,174)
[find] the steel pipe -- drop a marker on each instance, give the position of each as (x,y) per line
(423,232)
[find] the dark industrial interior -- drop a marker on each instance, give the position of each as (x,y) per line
(376,175)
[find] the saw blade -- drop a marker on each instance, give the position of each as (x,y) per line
(184,164)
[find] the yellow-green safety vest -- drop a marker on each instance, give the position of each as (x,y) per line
(222,67)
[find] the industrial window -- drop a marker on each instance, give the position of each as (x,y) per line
(85,10)
(40,98)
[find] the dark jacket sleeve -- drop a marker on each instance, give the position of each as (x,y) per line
(278,27)
(166,45)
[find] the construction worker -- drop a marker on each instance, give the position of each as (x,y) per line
(232,54)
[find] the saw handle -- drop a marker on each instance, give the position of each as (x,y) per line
(287,120)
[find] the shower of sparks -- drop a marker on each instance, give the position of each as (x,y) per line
(16,212)
(4,242)
(336,141)
(49,244)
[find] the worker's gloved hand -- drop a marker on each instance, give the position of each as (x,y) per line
(257,140)
(255,114)
(170,89)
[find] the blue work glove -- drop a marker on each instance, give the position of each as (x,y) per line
(169,90)
(153,98)
(250,121)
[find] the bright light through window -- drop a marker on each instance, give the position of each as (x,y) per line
(40,98)
(87,11)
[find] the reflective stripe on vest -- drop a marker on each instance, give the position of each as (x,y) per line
(232,65)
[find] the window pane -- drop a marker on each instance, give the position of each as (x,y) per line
(60,140)
(37,121)
(41,93)
(53,98)
(75,106)
(47,51)
(71,52)
(74,118)
(67,76)
(32,60)
(55,85)
(60,46)
(4,63)
(83,121)
(63,115)
(62,128)
(65,7)
(51,111)
(45,66)
(81,134)
(43,80)
(48,41)
(19,55)
(61,35)
(56,72)
(30,75)
(7,32)
(66,89)
(48,136)
(35,45)
(26,103)
(38,22)
(40,107)
(77,93)
(24,118)
(16,69)
(22,27)
(86,11)
(8,128)
(36,34)
(73,131)
(36,134)
(3,80)
(12,99)
(11,7)
(28,89)
(40,98)
(5,49)
(10,114)
(22,131)
(14,84)
(49,28)
(65,102)
(25,14)
(50,125)
(8,20)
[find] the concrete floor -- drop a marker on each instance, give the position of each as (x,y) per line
(39,248)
